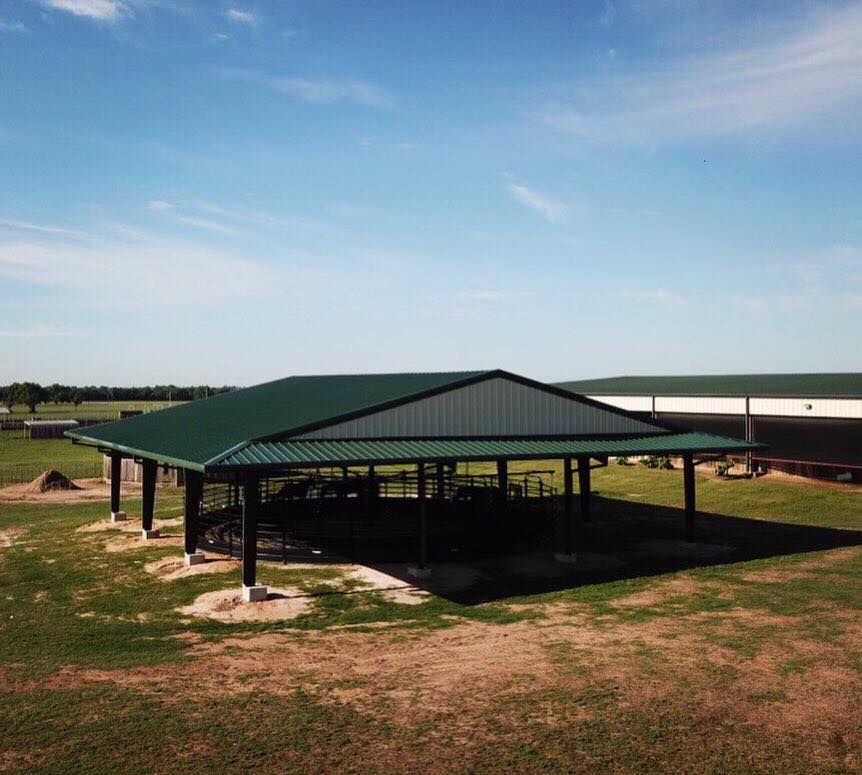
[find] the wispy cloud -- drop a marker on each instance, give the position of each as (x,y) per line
(239,16)
(38,332)
(151,274)
(812,71)
(831,278)
(550,209)
(656,296)
(182,216)
(16,225)
(13,26)
(100,10)
(319,91)
(226,220)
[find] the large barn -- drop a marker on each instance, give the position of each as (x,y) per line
(308,464)
(811,424)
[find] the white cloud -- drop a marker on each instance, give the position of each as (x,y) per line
(239,16)
(12,27)
(550,209)
(320,91)
(810,72)
(101,10)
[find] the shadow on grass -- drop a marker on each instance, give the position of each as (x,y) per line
(624,540)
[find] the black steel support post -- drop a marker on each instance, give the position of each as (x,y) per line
(423,516)
(250,510)
(148,494)
(193,493)
(748,433)
(688,485)
(116,476)
(584,487)
(568,511)
(503,481)
(372,491)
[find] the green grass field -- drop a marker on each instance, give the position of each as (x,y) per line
(22,459)
(751,666)
(108,410)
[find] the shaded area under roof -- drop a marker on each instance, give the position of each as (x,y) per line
(844,385)
(322,453)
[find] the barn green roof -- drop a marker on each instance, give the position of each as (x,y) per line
(257,426)
(196,432)
(839,385)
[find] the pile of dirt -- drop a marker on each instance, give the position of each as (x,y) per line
(50,481)
(226,605)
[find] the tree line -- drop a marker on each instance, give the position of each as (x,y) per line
(31,394)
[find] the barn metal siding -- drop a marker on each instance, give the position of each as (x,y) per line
(839,408)
(629,403)
(495,407)
(699,405)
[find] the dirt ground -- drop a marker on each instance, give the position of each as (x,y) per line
(450,677)
(90,490)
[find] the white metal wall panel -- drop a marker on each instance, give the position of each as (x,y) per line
(846,408)
(629,403)
(838,408)
(495,407)
(699,405)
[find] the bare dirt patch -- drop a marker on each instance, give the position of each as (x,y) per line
(226,605)
(8,536)
(393,589)
(126,542)
(172,568)
(127,525)
(803,569)
(658,593)
(88,490)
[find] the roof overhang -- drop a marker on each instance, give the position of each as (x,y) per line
(303,454)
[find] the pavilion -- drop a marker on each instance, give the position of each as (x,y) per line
(238,445)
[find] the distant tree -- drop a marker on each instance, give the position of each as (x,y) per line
(55,392)
(9,397)
(76,397)
(29,393)
(202,391)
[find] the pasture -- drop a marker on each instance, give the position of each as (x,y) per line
(96,410)
(751,665)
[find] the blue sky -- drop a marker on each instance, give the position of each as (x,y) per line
(228,192)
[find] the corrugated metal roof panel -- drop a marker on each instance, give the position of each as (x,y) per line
(193,433)
(293,453)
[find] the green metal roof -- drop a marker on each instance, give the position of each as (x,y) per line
(194,433)
(318,453)
(847,385)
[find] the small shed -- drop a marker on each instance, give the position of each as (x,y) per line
(48,429)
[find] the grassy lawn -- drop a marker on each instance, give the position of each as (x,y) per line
(751,666)
(27,459)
